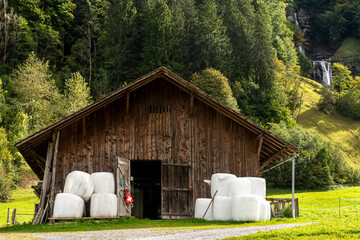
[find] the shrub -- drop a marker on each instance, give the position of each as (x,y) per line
(327,102)
(4,186)
(319,164)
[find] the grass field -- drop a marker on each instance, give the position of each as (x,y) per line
(319,207)
(322,208)
(342,131)
(24,203)
(349,51)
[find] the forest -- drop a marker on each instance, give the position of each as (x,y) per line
(57,56)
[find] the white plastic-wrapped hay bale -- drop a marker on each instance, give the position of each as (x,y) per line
(245,208)
(258,187)
(201,205)
(80,184)
(103,205)
(220,182)
(104,182)
(239,186)
(264,211)
(68,205)
(222,208)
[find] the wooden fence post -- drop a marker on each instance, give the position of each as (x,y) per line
(13,218)
(8,216)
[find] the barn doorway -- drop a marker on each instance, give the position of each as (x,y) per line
(146,176)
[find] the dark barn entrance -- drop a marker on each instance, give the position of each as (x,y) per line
(146,184)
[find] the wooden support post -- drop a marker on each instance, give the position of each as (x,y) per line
(13,218)
(260,138)
(45,185)
(8,216)
(53,177)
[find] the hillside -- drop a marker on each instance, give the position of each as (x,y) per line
(340,130)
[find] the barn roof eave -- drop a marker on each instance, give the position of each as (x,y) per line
(275,142)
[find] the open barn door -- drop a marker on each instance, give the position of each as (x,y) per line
(123,184)
(176,190)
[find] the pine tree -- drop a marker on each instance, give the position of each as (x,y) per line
(211,45)
(158,36)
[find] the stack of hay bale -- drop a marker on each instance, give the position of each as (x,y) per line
(81,187)
(238,199)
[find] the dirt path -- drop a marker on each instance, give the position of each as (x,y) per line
(161,234)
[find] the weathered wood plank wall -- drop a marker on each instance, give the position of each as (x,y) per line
(162,123)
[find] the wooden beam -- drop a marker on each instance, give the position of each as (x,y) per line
(40,160)
(267,161)
(127,102)
(45,185)
(53,177)
(260,138)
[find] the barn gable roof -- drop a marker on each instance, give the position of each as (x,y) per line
(271,147)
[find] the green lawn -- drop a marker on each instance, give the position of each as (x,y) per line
(24,203)
(319,207)
(349,51)
(342,131)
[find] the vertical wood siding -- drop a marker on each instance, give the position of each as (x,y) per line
(192,140)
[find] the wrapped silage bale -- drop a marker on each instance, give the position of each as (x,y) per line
(239,186)
(201,205)
(264,211)
(220,182)
(245,208)
(104,182)
(80,184)
(222,208)
(103,205)
(68,205)
(258,187)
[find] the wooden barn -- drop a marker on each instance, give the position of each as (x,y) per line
(163,135)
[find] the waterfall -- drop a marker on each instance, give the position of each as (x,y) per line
(296,19)
(301,47)
(322,72)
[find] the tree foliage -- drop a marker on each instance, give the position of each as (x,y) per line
(319,164)
(345,96)
(216,84)
(35,92)
(77,93)
(55,56)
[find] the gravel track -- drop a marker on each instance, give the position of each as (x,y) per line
(161,234)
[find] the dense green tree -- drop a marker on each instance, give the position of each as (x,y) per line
(158,33)
(216,84)
(35,93)
(77,93)
(185,19)
(342,79)
(282,34)
(120,53)
(211,45)
(239,19)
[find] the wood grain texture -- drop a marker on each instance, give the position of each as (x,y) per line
(159,121)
